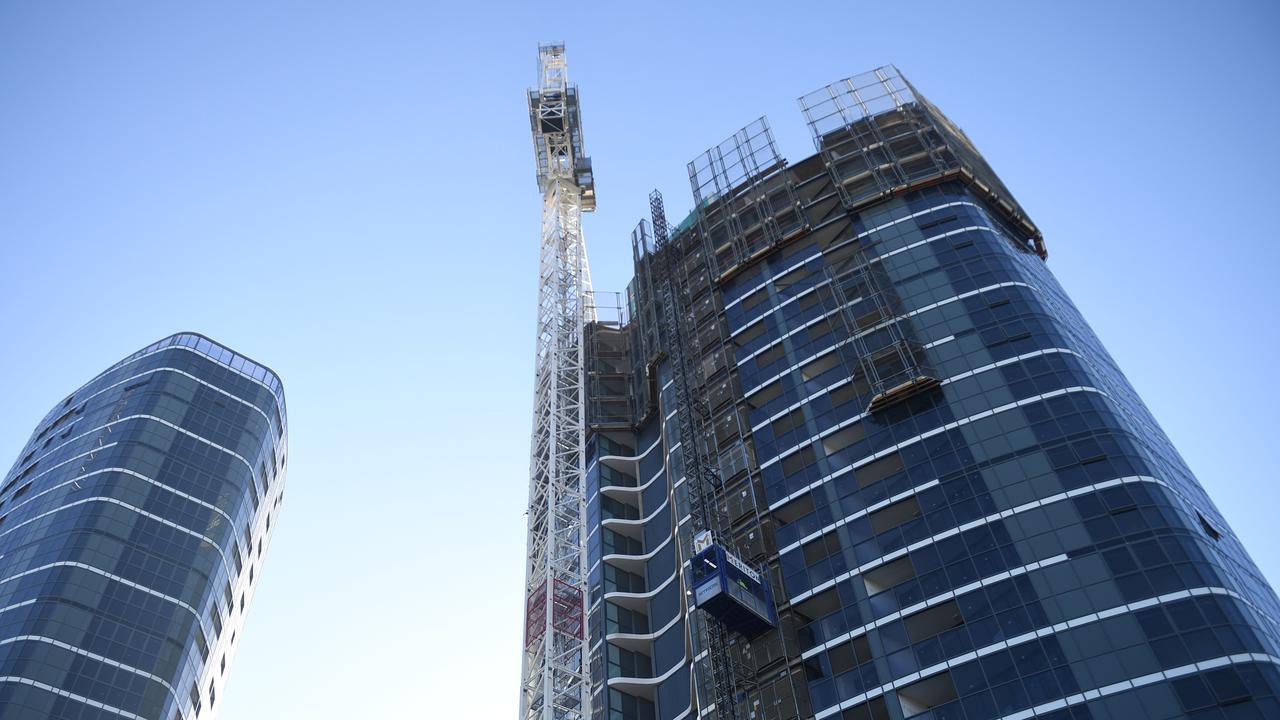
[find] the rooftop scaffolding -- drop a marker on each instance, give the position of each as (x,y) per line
(880,137)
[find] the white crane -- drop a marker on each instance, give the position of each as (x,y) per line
(556,681)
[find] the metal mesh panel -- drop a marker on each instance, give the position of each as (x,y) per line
(878,136)
(746,202)
(744,155)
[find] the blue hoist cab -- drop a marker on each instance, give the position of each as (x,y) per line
(729,589)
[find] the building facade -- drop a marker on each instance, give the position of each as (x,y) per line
(855,454)
(132,532)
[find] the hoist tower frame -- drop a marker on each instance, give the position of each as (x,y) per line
(556,680)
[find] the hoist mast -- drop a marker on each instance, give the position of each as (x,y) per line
(556,682)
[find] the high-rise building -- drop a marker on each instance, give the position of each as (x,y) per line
(854,454)
(132,532)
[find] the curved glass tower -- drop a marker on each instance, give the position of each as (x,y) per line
(856,455)
(132,533)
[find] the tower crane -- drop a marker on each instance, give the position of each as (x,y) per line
(556,681)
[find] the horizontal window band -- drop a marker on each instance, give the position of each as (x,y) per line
(924,436)
(1032,635)
(859,236)
(862,416)
(96,657)
(1003,514)
(877,259)
(71,696)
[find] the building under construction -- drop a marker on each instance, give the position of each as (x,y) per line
(849,451)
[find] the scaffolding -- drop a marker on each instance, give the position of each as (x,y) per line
(879,137)
(715,473)
(611,395)
(746,202)
(555,682)
(693,418)
(881,354)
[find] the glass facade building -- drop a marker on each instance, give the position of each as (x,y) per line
(132,533)
(856,378)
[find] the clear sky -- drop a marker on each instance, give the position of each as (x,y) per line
(345,192)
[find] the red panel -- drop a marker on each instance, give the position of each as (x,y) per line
(535,615)
(567,615)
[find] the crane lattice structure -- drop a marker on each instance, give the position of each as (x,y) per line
(556,682)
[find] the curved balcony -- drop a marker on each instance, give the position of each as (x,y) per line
(632,528)
(646,687)
(620,457)
(612,508)
(640,641)
(635,564)
(638,601)
(611,478)
(611,443)
(627,490)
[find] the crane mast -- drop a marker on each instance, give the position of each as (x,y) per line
(556,682)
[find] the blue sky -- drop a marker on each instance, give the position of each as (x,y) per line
(345,192)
